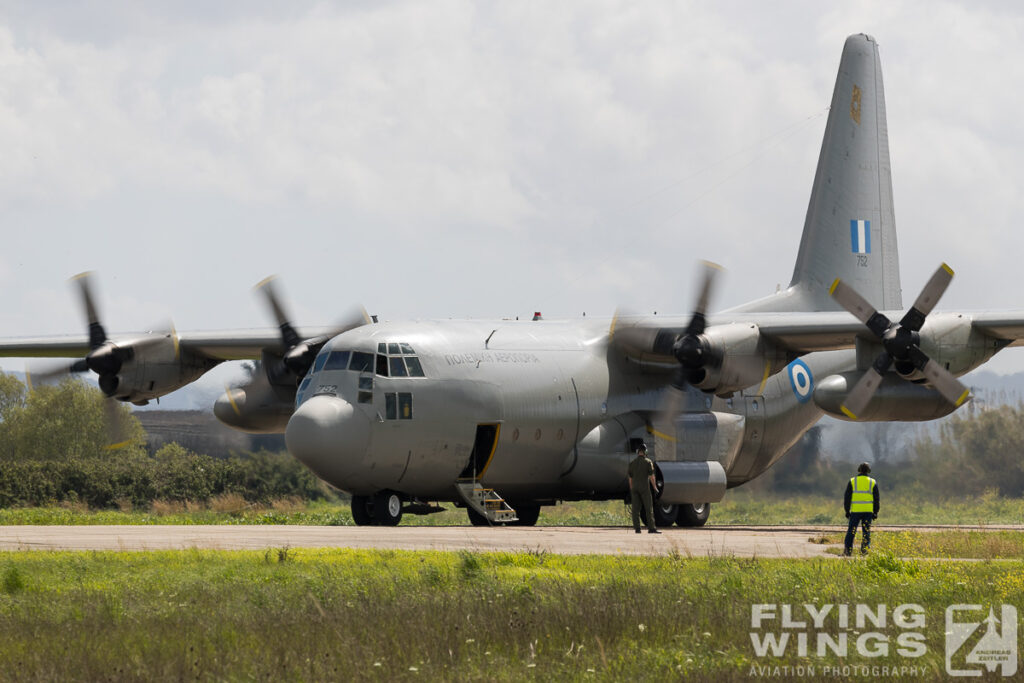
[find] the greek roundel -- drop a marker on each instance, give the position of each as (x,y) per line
(801,380)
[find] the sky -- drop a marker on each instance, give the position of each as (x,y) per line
(469,159)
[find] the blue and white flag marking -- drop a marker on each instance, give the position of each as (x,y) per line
(860,236)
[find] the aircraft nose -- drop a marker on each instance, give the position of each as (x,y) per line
(329,436)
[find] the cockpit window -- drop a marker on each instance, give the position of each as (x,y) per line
(361,362)
(301,391)
(321,358)
(397,367)
(415,369)
(397,359)
(337,361)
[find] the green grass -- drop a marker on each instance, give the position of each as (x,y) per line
(981,545)
(289,614)
(740,507)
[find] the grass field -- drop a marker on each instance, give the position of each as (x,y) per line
(289,614)
(980,545)
(739,507)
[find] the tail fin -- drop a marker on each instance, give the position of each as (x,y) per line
(850,229)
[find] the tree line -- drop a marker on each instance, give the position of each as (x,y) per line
(55,447)
(67,443)
(973,453)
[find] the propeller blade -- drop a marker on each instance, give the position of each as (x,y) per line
(288,333)
(926,300)
(848,298)
(699,320)
(48,372)
(662,429)
(865,388)
(940,378)
(97,335)
(114,422)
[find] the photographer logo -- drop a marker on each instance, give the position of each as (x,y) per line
(975,641)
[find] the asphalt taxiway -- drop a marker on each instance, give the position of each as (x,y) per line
(717,541)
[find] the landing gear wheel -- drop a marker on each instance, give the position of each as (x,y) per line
(665,514)
(475,518)
(693,515)
(361,512)
(527,514)
(387,508)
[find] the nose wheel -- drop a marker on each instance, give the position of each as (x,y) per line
(383,508)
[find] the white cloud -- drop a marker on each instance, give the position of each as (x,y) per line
(454,158)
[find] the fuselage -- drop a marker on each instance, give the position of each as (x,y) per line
(538,410)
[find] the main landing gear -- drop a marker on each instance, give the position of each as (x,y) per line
(684,514)
(383,508)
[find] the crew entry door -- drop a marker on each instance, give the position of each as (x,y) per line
(484,445)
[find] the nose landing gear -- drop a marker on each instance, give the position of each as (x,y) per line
(383,508)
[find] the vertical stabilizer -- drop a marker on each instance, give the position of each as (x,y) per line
(850,229)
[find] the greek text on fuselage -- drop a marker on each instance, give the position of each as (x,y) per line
(490,357)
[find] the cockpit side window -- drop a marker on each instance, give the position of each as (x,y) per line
(415,369)
(337,361)
(404,406)
(382,365)
(361,362)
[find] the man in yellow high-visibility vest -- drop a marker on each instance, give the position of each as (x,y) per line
(861,504)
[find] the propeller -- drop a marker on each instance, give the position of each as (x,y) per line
(299,353)
(691,349)
(105,358)
(900,343)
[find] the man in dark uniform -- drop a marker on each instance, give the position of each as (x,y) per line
(861,504)
(641,479)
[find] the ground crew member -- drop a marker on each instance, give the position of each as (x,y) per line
(861,504)
(641,479)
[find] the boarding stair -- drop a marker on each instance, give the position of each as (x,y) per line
(485,501)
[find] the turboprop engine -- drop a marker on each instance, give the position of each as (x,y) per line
(720,359)
(257,407)
(727,358)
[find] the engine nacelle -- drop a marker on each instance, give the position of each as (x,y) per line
(146,368)
(896,399)
(256,408)
(737,357)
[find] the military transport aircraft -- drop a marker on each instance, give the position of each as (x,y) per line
(504,417)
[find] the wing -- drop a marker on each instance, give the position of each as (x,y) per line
(218,345)
(1007,326)
(225,345)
